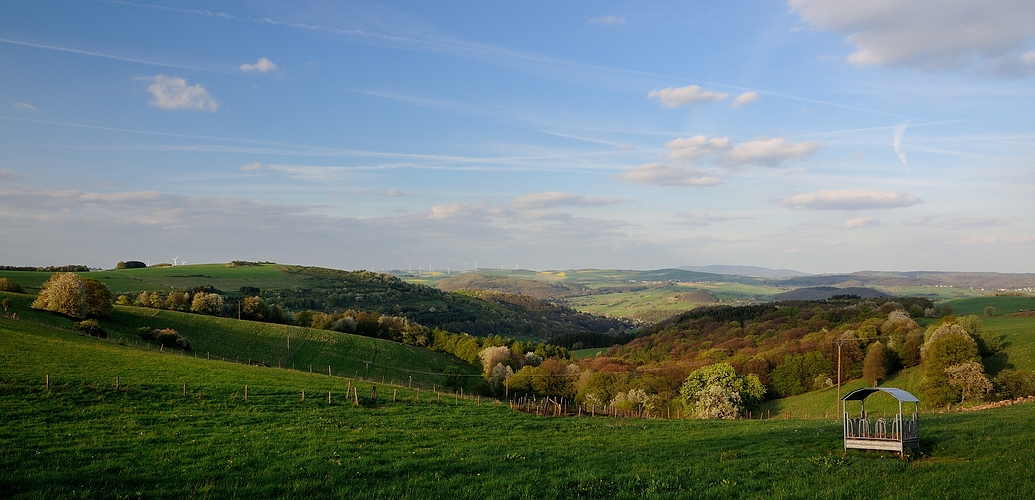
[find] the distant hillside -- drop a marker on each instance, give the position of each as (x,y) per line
(298,288)
(754,271)
(826,292)
(540,289)
(986,281)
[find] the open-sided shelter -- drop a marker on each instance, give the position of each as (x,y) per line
(895,434)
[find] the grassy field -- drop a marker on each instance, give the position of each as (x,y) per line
(178,277)
(83,438)
(1002,304)
(267,344)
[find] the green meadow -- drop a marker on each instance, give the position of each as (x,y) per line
(267,344)
(85,438)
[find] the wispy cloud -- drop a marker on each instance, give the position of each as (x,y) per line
(608,20)
(663,174)
(744,99)
(850,199)
(671,97)
(173,92)
(961,221)
(897,143)
(25,106)
(263,65)
(103,55)
(559,198)
(861,223)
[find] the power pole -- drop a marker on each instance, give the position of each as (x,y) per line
(838,342)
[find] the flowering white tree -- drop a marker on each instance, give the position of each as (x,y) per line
(492,356)
(207,303)
(64,293)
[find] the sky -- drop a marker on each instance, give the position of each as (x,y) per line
(824,136)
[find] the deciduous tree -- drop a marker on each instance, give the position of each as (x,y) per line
(64,293)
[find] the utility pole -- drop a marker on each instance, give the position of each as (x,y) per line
(838,342)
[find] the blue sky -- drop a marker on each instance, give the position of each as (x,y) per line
(818,135)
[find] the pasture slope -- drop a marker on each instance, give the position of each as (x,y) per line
(268,344)
(85,438)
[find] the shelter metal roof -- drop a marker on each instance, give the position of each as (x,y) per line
(899,394)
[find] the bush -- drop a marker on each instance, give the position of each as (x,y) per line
(91,328)
(64,293)
(989,311)
(130,264)
(969,379)
(165,336)
(948,345)
(7,285)
(1012,384)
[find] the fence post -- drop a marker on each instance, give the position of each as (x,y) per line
(395,392)
(355,396)
(246,393)
(373,393)
(328,370)
(417,397)
(116,383)
(303,395)
(46,385)
(411,383)
(328,397)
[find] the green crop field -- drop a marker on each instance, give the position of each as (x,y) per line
(266,344)
(1002,304)
(178,277)
(83,438)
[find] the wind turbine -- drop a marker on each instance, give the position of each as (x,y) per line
(174,259)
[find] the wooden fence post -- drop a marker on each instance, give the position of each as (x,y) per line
(116,383)
(328,397)
(46,384)
(373,393)
(246,393)
(417,397)
(395,392)
(328,370)
(355,396)
(411,383)
(303,395)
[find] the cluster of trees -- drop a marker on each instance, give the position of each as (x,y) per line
(72,295)
(130,264)
(792,347)
(71,268)
(210,301)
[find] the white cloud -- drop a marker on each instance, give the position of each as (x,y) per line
(394,193)
(931,34)
(26,106)
(663,174)
(608,20)
(560,198)
(850,199)
(672,97)
(769,152)
(743,99)
(696,147)
(172,92)
(251,167)
(960,221)
(458,210)
(860,223)
(263,65)
(897,144)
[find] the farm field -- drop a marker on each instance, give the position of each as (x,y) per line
(83,438)
(266,344)
(166,278)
